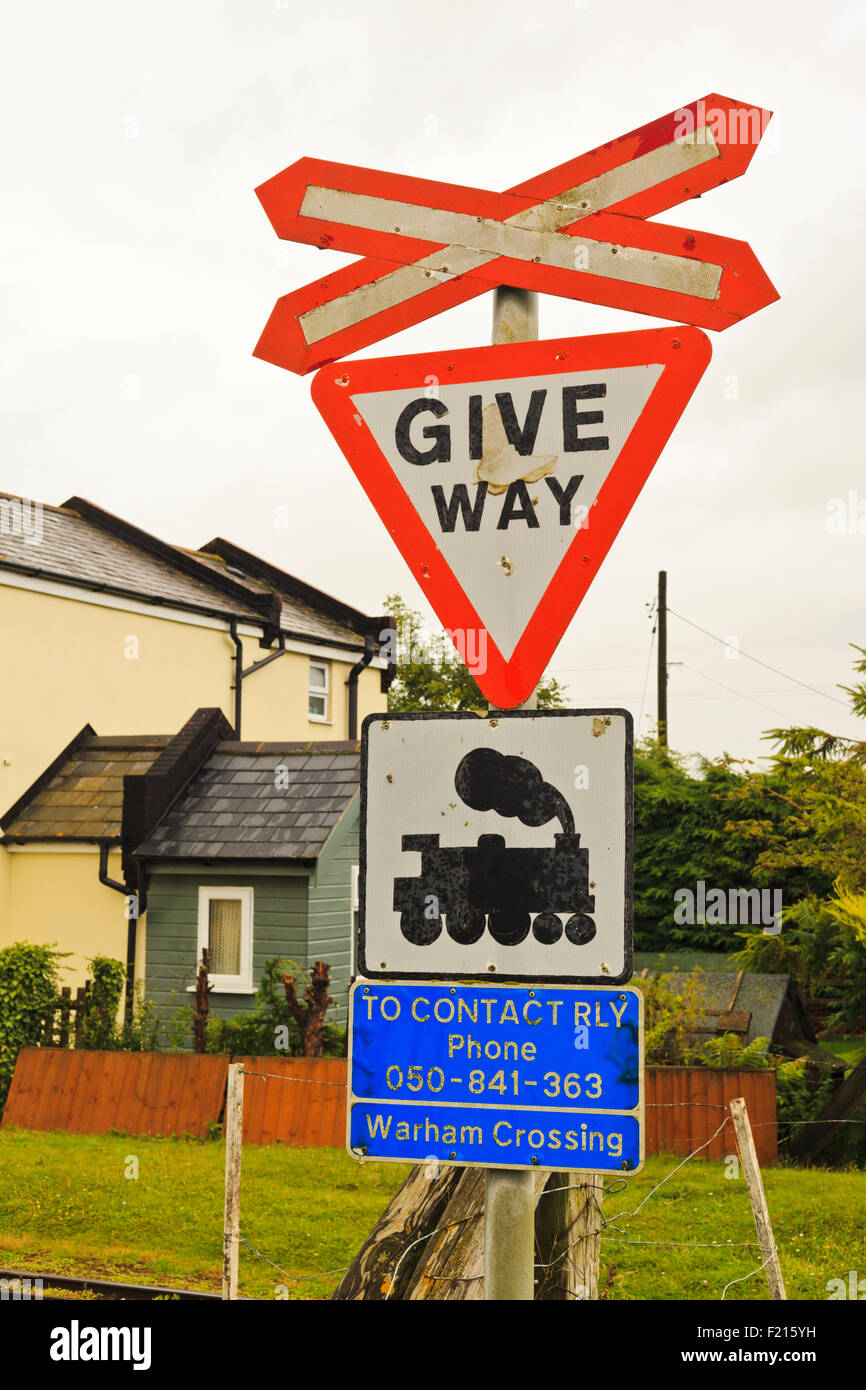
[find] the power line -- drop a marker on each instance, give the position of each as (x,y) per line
(646,673)
(814,689)
(739,693)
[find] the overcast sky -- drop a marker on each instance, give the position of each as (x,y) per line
(139,269)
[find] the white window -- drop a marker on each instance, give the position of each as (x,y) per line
(225,926)
(319,690)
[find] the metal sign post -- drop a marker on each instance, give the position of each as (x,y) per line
(509,1195)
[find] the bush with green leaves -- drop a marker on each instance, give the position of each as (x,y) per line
(29,992)
(729,1053)
(262,1030)
(100,1029)
(671,1017)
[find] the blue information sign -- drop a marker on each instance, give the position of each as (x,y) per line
(505,1076)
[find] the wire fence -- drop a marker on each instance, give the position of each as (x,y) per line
(548,1273)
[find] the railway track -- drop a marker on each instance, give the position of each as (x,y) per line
(106,1289)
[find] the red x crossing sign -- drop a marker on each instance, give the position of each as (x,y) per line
(579,230)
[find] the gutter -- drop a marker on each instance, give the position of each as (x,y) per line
(133,909)
(352,684)
(239,675)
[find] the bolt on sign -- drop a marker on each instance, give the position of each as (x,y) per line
(503,474)
(579,230)
(497,846)
(497,1075)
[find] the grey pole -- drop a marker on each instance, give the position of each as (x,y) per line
(509,1193)
(663,659)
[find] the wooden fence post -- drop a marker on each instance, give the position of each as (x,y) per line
(752,1173)
(80,1012)
(234,1124)
(568,1237)
(65,1006)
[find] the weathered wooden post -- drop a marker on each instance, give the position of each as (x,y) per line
(234,1124)
(568,1237)
(755,1186)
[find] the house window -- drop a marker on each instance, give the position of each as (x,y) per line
(319,688)
(225,927)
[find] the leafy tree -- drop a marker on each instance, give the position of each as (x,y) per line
(818,784)
(683,834)
(431,676)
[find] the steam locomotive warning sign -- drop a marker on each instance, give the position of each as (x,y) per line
(504,474)
(497,847)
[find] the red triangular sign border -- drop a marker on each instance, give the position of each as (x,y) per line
(683,352)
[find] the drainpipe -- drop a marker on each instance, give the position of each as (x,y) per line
(238,685)
(124,888)
(352,683)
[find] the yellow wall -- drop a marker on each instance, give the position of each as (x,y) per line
(56,896)
(67,662)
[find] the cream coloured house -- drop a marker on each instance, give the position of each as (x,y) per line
(109,629)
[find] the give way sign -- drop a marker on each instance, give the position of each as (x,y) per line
(503,475)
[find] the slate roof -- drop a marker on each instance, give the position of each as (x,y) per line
(296,617)
(81,798)
(762,995)
(82,544)
(74,549)
(236,806)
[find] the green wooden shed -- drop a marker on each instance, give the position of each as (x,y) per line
(256,858)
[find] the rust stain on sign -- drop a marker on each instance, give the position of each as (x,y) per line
(600,725)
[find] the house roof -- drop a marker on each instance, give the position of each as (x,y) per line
(80,796)
(296,617)
(259,801)
(74,550)
(762,995)
(82,544)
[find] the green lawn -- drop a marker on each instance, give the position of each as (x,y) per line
(849,1047)
(67,1208)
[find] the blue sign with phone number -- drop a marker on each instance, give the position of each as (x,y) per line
(497,1075)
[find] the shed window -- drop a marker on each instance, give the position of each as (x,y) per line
(225,926)
(319,690)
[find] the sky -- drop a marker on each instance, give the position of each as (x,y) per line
(139,269)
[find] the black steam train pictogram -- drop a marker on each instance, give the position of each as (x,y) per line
(487,884)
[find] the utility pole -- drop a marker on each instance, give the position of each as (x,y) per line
(509,1193)
(663,659)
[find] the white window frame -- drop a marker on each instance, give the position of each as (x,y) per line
(319,691)
(228,984)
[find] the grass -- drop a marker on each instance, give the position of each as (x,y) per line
(849,1047)
(66,1207)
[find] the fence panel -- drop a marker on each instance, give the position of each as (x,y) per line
(685,1105)
(307,1109)
(133,1092)
(301,1101)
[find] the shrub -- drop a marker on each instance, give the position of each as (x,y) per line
(105,989)
(29,977)
(670,1018)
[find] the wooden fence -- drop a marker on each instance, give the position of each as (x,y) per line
(302,1100)
(133,1092)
